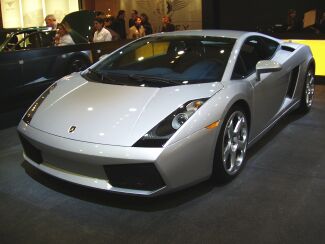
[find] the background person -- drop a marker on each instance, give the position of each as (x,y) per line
(293,23)
(63,38)
(137,30)
(321,26)
(167,25)
(134,15)
(119,24)
(146,24)
(108,22)
(50,21)
(101,34)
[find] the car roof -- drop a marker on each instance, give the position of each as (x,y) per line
(222,33)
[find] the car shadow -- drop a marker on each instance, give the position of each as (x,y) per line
(147,204)
(273,132)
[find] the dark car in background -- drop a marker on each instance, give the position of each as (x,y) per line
(29,62)
(13,39)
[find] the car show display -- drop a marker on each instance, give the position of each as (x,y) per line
(167,111)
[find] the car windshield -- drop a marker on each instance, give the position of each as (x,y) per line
(160,61)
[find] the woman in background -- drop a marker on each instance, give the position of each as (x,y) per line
(137,30)
(63,38)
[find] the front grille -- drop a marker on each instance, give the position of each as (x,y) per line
(143,176)
(31,152)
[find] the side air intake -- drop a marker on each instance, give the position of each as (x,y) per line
(287,48)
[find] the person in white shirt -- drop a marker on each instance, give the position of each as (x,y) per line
(63,38)
(101,34)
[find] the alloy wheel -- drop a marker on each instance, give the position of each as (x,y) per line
(234,142)
(310,88)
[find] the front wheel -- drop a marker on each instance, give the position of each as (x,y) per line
(308,91)
(231,146)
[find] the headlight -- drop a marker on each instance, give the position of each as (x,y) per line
(32,110)
(161,133)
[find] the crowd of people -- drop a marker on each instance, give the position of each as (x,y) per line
(110,28)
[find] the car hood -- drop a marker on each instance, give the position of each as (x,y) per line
(111,114)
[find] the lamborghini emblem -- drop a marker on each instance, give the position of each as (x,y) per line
(72,129)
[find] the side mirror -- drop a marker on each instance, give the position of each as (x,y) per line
(266,66)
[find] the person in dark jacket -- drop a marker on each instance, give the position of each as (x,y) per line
(119,24)
(167,25)
(108,23)
(146,24)
(322,24)
(294,24)
(134,16)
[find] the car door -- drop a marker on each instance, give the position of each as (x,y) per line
(36,62)
(269,92)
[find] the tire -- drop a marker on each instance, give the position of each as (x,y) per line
(231,146)
(78,64)
(308,91)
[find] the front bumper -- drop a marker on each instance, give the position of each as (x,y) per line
(128,170)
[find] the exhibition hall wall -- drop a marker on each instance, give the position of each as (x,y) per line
(249,14)
(28,13)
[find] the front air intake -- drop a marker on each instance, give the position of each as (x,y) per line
(143,176)
(30,151)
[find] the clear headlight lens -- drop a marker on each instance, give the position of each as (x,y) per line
(161,133)
(32,110)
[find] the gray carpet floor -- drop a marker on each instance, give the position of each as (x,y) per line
(278,198)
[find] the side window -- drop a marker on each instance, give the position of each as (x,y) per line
(247,58)
(13,43)
(29,41)
(32,41)
(269,47)
(254,49)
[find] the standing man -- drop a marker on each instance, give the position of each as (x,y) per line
(119,24)
(134,16)
(167,26)
(50,21)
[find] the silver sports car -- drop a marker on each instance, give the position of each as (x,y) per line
(167,111)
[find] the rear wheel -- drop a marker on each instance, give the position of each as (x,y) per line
(231,146)
(308,91)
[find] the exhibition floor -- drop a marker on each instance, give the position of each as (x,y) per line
(278,198)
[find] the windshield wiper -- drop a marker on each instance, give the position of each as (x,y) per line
(144,78)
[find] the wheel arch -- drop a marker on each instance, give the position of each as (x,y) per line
(217,168)
(242,103)
(312,63)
